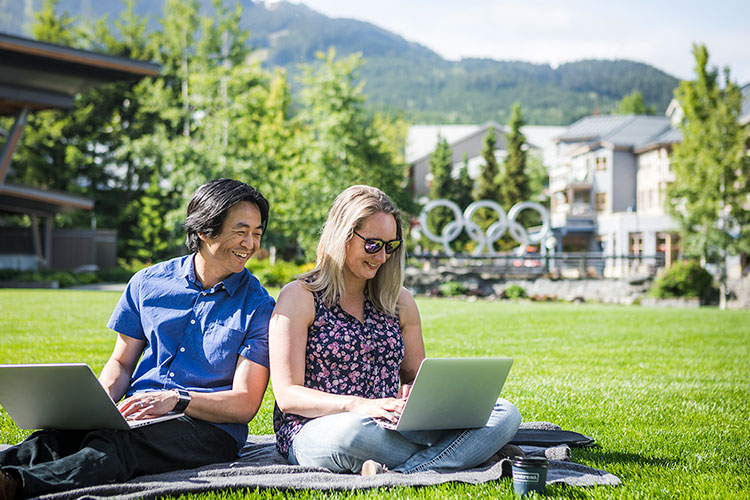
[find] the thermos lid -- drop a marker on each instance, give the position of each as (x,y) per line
(530,462)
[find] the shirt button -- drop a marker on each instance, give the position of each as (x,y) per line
(203,293)
(171,374)
(182,349)
(192,321)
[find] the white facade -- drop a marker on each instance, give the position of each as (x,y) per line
(608,188)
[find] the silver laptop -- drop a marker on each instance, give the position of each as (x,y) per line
(453,393)
(62,396)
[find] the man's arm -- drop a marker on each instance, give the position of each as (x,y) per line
(236,405)
(115,376)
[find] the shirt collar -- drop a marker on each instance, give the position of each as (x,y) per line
(230,283)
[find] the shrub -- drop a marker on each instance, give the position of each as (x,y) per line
(452,288)
(515,292)
(278,274)
(684,279)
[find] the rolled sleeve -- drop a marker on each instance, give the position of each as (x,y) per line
(255,346)
(126,317)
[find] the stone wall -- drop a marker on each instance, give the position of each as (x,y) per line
(613,291)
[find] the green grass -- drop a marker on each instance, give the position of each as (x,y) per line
(665,392)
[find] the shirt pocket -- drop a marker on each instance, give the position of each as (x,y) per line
(221,345)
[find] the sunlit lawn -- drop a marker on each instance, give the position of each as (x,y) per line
(665,392)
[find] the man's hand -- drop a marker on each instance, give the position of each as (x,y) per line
(148,404)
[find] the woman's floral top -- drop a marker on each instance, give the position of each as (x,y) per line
(346,356)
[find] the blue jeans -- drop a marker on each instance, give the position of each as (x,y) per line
(50,460)
(343,441)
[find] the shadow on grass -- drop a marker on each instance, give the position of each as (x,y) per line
(605,457)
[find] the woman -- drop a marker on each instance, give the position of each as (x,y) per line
(342,337)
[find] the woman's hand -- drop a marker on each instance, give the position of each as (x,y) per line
(148,404)
(404,391)
(385,408)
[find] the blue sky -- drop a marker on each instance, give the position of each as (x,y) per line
(658,32)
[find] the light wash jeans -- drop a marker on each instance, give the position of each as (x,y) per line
(343,441)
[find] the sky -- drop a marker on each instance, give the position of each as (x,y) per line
(657,32)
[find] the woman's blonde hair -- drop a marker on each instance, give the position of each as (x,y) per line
(349,210)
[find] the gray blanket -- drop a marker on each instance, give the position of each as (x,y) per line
(261,466)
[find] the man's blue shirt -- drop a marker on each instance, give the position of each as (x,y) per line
(193,336)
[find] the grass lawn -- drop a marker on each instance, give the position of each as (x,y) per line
(665,392)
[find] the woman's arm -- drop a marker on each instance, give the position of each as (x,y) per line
(287,342)
(411,330)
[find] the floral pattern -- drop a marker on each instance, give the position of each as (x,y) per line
(346,356)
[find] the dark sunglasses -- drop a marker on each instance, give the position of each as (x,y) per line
(373,245)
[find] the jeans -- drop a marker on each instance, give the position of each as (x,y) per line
(343,441)
(52,460)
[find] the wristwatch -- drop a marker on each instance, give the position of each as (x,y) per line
(183,402)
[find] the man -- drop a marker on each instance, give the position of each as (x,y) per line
(199,325)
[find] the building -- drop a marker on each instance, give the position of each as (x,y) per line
(36,76)
(467,141)
(608,187)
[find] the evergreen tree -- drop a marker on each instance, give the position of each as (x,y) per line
(514,180)
(634,104)
(487,186)
(441,187)
(463,185)
(712,169)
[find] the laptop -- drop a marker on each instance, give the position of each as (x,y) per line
(62,396)
(452,393)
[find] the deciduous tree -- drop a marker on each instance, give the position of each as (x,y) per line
(710,193)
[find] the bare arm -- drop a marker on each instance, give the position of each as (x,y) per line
(287,338)
(237,405)
(115,376)
(411,330)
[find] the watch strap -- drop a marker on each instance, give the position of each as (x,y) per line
(182,402)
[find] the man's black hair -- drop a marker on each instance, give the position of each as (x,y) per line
(210,204)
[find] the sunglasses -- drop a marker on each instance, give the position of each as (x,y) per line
(373,245)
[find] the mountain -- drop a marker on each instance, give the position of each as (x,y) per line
(407,78)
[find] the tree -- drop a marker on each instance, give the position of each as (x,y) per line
(340,144)
(441,186)
(514,180)
(487,186)
(462,185)
(709,196)
(634,104)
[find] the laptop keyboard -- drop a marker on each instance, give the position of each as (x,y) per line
(387,424)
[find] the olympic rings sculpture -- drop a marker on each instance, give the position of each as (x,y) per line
(496,230)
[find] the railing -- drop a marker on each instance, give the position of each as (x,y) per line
(565,265)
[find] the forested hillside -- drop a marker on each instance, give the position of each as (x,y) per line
(406,78)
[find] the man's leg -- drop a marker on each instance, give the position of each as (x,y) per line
(51,461)
(107,456)
(457,450)
(184,443)
(344,441)
(42,446)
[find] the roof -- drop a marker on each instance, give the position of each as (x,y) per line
(422,139)
(617,132)
(38,75)
(41,75)
(28,200)
(667,138)
(593,128)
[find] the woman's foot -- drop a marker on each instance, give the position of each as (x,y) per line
(9,486)
(373,468)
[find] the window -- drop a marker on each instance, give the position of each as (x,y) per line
(601,163)
(636,243)
(601,202)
